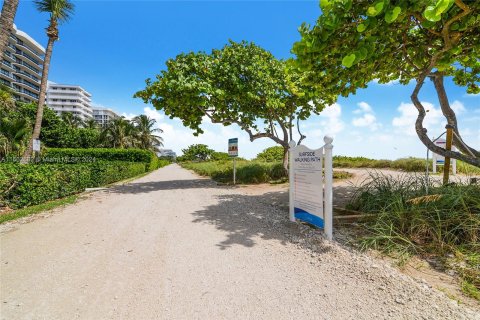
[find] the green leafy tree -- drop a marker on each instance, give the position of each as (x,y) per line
(72,120)
(59,11)
(355,42)
(240,84)
(7,103)
(91,124)
(197,152)
(145,133)
(272,154)
(217,156)
(13,135)
(120,133)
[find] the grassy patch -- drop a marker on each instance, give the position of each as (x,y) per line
(404,164)
(444,223)
(248,172)
(37,208)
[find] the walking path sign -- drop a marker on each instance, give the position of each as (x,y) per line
(311,179)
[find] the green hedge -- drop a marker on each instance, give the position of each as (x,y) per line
(58,155)
(25,185)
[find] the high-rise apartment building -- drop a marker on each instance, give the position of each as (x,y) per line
(104,115)
(21,66)
(69,98)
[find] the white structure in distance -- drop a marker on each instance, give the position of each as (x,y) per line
(167,153)
(104,115)
(311,183)
(21,68)
(69,98)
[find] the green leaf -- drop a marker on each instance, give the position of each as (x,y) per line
(442,6)
(376,9)
(325,5)
(348,60)
(392,15)
(430,14)
(361,27)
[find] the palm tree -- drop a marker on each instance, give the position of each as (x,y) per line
(91,124)
(72,120)
(120,133)
(13,134)
(60,11)
(145,133)
(9,9)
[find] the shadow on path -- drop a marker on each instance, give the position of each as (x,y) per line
(246,217)
(151,186)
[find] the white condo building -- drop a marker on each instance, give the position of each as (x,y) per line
(21,68)
(69,98)
(104,115)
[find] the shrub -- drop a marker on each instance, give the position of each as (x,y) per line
(58,155)
(25,185)
(70,155)
(217,156)
(247,171)
(406,221)
(272,154)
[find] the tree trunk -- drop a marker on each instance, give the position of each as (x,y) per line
(422,132)
(451,117)
(9,9)
(285,157)
(41,101)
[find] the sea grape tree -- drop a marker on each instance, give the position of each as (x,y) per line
(355,42)
(240,84)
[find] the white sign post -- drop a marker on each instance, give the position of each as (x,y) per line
(233,152)
(36,145)
(311,180)
(439,160)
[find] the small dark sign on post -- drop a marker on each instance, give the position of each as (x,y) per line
(233,152)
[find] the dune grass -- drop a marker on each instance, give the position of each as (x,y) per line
(248,172)
(403,164)
(406,221)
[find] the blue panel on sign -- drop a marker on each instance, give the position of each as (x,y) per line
(308,217)
(234,140)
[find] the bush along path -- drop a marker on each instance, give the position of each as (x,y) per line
(173,245)
(63,172)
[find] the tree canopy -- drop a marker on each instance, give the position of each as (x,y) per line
(197,152)
(355,42)
(239,84)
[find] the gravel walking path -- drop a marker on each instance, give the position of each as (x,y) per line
(171,245)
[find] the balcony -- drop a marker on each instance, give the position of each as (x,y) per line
(20,52)
(26,83)
(24,92)
(36,54)
(6,74)
(26,66)
(27,75)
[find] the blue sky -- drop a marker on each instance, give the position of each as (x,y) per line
(111,47)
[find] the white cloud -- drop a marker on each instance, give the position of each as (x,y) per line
(128,116)
(408,115)
(458,107)
(367,118)
(365,121)
(331,119)
(363,107)
(153,113)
